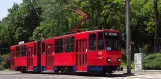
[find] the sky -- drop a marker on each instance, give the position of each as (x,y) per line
(5,5)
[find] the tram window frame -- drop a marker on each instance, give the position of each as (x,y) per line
(59,45)
(18,51)
(93,44)
(69,44)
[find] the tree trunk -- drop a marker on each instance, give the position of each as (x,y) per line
(156,38)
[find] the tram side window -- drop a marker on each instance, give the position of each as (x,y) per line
(43,48)
(23,49)
(69,44)
(34,48)
(59,46)
(18,51)
(76,46)
(100,41)
(92,41)
(82,46)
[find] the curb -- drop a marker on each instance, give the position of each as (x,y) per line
(149,71)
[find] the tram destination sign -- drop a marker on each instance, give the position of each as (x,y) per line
(110,34)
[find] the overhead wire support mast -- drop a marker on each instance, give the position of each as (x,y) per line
(85,16)
(128,36)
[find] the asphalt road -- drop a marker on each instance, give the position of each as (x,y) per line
(117,75)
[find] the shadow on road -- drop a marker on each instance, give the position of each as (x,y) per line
(81,74)
(94,75)
(107,75)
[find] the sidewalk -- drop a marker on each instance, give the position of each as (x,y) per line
(138,72)
(8,72)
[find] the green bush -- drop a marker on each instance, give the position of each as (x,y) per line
(3,61)
(152,61)
(124,58)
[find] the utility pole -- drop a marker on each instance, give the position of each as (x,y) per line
(128,36)
(156,38)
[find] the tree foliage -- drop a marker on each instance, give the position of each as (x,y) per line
(40,19)
(20,22)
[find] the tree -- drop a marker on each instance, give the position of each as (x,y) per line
(157,27)
(21,21)
(55,19)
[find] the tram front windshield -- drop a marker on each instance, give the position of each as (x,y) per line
(111,41)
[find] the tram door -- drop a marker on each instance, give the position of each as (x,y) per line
(49,57)
(81,55)
(29,59)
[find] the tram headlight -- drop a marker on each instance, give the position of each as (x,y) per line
(119,59)
(108,60)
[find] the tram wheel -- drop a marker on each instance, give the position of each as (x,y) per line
(23,70)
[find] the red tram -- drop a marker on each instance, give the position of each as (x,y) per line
(86,51)
(89,51)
